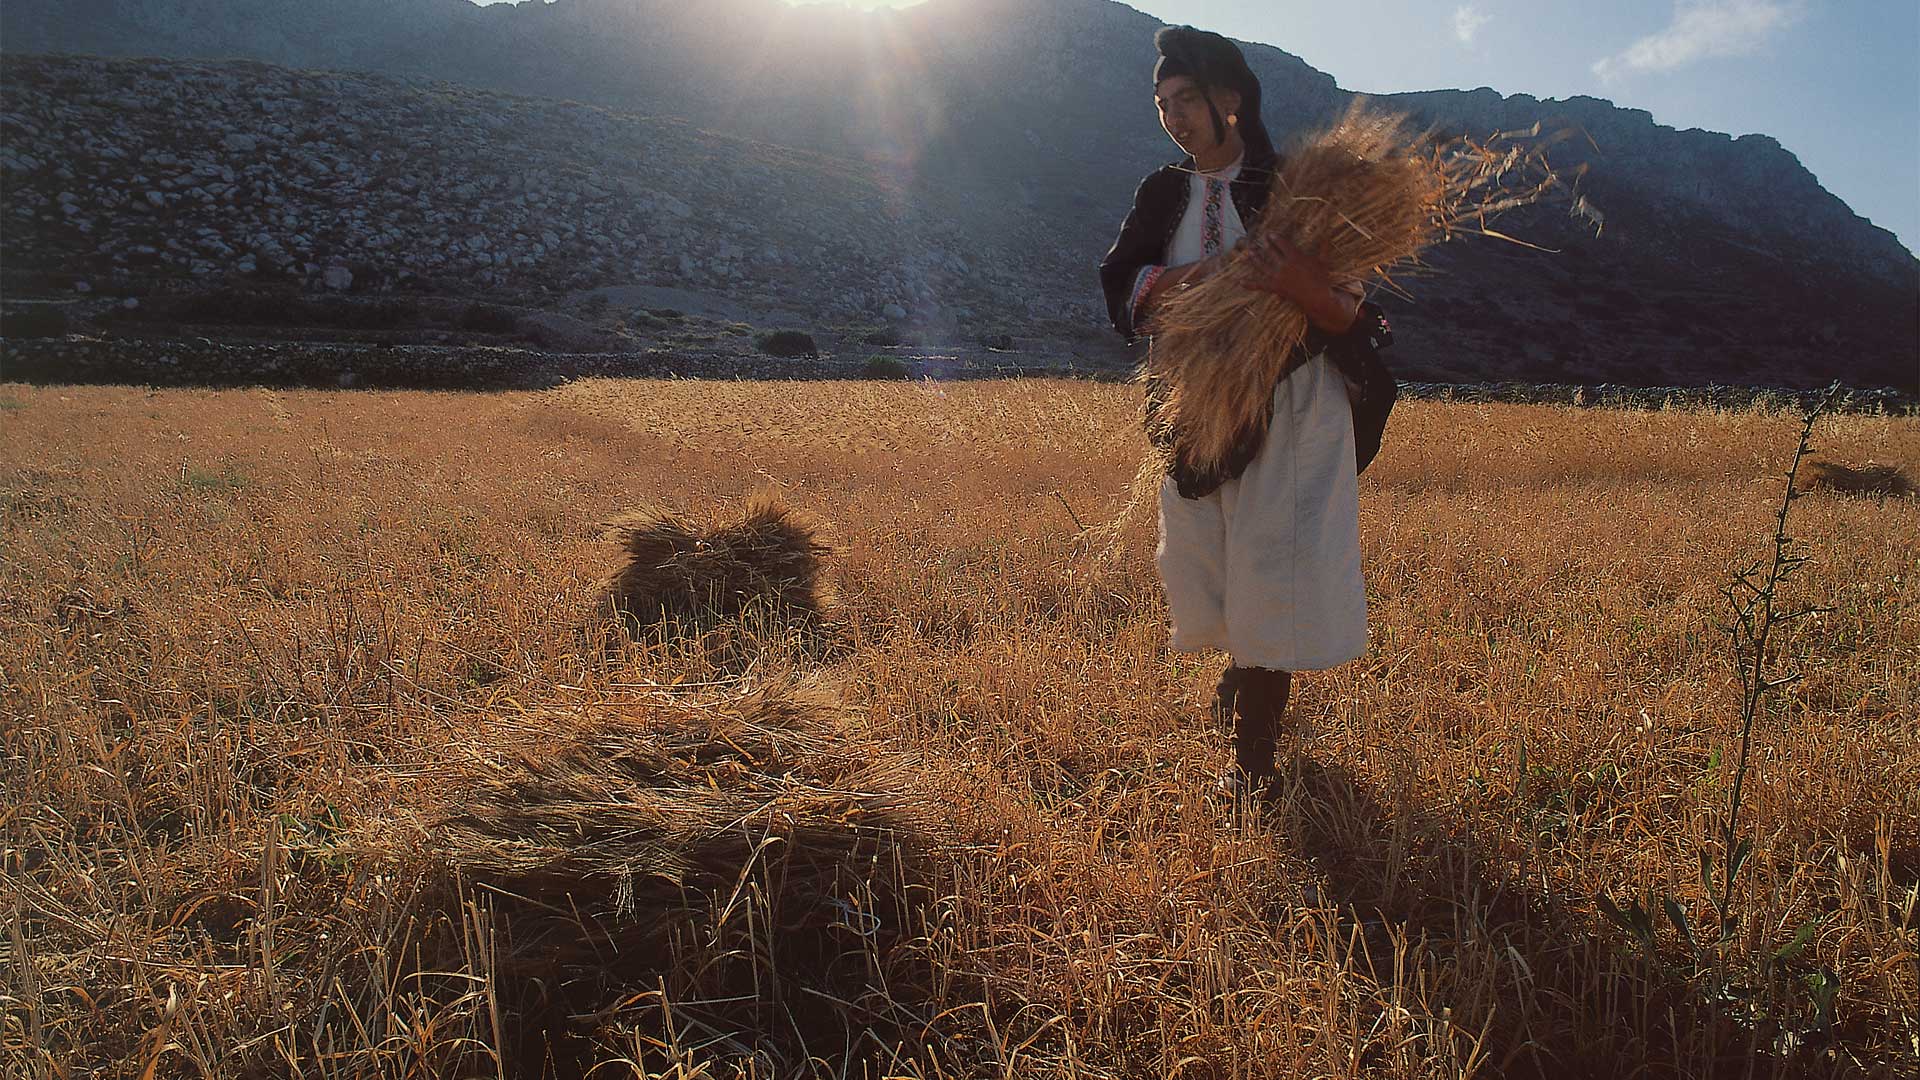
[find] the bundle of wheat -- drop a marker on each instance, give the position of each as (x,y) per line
(670,796)
(758,828)
(1367,197)
(770,554)
(1884,481)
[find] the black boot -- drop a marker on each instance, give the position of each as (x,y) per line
(1259,708)
(1224,694)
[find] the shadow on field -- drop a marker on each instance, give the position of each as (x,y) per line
(734,883)
(784,972)
(740,882)
(1565,1002)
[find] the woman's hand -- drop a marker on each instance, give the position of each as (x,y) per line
(1175,277)
(1276,266)
(1273,265)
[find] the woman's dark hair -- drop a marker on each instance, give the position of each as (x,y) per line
(1214,62)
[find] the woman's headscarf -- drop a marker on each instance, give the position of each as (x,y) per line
(1215,63)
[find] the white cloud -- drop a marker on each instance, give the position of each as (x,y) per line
(1704,30)
(1467,21)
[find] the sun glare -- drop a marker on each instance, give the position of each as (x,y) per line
(859,5)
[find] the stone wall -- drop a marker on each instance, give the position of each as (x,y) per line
(204,362)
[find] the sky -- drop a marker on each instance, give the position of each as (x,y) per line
(1836,81)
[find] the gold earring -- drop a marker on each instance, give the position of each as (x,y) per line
(1232,119)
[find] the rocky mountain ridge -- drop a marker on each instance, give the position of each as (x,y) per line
(1036,81)
(995,161)
(139,170)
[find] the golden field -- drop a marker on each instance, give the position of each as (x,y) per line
(253,645)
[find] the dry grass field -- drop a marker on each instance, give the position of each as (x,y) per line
(258,649)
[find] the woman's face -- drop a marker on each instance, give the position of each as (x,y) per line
(1184,114)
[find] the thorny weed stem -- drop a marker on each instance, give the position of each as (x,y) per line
(1755,616)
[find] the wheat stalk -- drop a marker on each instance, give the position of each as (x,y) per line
(1367,196)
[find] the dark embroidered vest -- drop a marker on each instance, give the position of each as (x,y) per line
(1158,207)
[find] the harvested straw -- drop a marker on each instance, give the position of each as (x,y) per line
(1367,197)
(1874,480)
(671,796)
(758,831)
(678,569)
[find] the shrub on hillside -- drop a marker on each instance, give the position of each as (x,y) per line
(37,321)
(276,307)
(787,343)
(231,307)
(885,337)
(488,319)
(880,366)
(350,315)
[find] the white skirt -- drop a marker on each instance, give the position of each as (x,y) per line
(1267,569)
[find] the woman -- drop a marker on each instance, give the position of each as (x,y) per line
(1260,557)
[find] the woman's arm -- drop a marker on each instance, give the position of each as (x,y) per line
(1276,266)
(1172,278)
(1138,249)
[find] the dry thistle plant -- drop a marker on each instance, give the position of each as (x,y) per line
(1753,594)
(1367,196)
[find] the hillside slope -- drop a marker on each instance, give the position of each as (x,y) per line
(1002,133)
(143,170)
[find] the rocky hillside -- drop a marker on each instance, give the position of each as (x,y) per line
(997,151)
(122,170)
(1031,81)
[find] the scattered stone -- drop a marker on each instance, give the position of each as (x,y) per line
(338,278)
